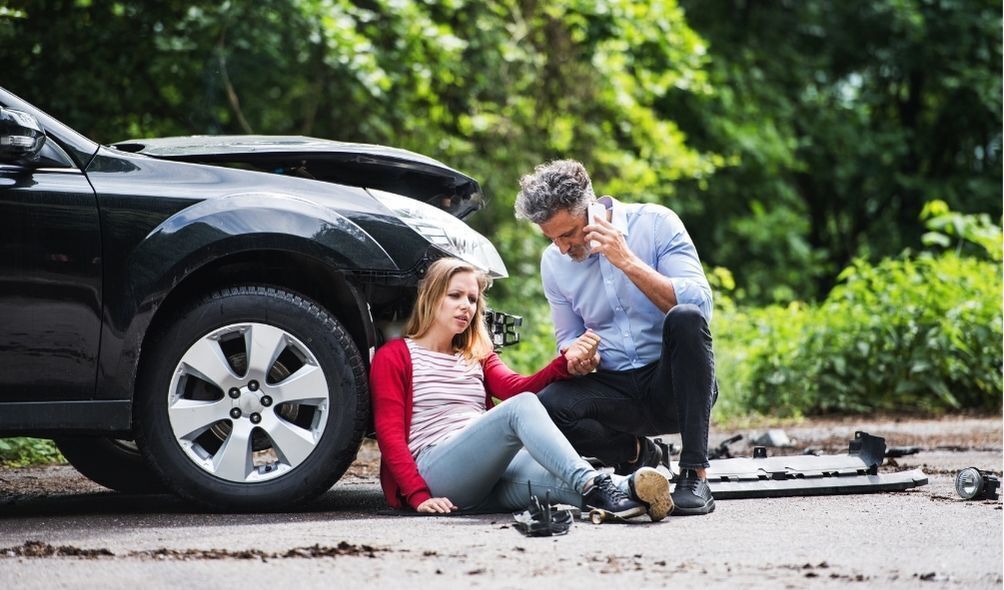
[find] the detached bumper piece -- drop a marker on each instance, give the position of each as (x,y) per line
(810,475)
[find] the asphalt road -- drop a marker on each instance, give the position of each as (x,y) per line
(57,530)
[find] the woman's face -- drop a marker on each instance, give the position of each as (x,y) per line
(456,309)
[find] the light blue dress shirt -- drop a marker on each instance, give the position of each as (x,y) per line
(595,294)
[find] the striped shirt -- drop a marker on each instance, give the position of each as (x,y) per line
(448,393)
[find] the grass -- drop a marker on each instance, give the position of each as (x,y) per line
(23,451)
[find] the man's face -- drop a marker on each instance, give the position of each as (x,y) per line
(565,230)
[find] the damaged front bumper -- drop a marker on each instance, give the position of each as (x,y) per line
(809,475)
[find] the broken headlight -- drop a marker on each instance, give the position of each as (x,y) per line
(446,232)
(975,484)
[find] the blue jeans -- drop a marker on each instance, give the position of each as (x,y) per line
(605,412)
(487,466)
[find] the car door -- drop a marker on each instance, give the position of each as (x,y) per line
(50,280)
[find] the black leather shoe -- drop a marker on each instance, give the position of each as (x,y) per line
(652,488)
(604,495)
(692,495)
(650,455)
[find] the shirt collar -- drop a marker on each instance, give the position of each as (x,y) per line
(618,213)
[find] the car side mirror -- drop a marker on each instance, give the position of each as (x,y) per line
(21,137)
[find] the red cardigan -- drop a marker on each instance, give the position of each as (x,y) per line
(391,390)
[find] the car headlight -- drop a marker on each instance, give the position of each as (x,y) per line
(446,232)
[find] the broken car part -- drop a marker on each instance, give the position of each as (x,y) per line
(722,451)
(975,484)
(503,327)
(810,475)
(545,519)
(893,452)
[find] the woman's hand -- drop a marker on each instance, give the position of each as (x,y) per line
(581,355)
(436,506)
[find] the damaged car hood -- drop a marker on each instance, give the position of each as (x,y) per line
(356,164)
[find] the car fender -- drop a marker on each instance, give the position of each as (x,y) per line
(220,227)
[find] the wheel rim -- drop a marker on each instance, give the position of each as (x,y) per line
(248,402)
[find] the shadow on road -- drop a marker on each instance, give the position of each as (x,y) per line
(343,501)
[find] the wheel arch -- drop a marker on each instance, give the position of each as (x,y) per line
(272,240)
(286,270)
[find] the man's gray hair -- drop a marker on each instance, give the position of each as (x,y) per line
(562,184)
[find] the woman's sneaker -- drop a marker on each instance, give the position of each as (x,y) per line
(604,495)
(652,489)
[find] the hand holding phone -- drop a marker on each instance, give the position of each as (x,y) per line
(596,211)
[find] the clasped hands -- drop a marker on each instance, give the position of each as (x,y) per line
(582,355)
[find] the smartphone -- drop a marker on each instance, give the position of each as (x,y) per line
(596,211)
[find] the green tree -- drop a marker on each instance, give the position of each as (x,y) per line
(492,88)
(841,119)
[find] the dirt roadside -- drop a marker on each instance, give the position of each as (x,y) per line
(58,529)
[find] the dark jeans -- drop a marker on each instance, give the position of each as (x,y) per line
(604,413)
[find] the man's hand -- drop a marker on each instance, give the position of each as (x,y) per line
(584,367)
(610,242)
(581,355)
(436,506)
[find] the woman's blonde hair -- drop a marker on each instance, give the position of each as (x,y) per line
(474,342)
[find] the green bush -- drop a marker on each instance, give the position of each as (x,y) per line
(909,334)
(22,451)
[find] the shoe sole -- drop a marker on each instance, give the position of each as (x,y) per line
(653,489)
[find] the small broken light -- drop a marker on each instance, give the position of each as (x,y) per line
(974,484)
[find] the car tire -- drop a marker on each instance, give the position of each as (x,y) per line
(253,399)
(114,463)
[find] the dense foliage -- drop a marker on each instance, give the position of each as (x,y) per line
(792,136)
(840,120)
(796,138)
(917,333)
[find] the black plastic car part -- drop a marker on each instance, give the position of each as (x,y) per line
(114,463)
(503,327)
(543,519)
(810,475)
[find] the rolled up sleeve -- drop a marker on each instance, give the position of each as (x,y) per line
(677,259)
(695,293)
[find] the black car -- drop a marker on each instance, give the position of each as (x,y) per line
(214,299)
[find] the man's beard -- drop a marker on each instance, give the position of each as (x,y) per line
(579,254)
